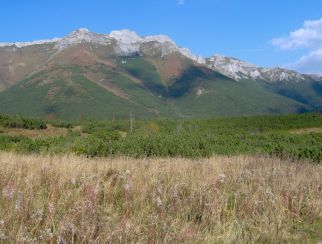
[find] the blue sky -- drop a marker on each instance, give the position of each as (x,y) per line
(253,30)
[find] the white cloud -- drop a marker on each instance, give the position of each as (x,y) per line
(310,63)
(308,37)
(181,2)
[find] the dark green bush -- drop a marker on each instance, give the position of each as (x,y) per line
(22,123)
(60,124)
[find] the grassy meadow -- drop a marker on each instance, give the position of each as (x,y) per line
(233,180)
(239,199)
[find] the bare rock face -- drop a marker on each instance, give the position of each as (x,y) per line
(238,69)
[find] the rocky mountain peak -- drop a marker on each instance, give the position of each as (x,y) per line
(128,42)
(83,35)
(238,69)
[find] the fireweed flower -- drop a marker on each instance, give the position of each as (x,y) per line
(159,202)
(51,208)
(175,191)
(9,191)
(128,186)
(19,200)
(221,178)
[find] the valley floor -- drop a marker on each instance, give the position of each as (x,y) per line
(240,199)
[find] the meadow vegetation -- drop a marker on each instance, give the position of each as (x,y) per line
(239,199)
(263,135)
(234,180)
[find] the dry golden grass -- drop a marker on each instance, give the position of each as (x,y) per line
(307,130)
(51,131)
(69,199)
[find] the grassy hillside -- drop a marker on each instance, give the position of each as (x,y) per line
(309,93)
(75,97)
(224,97)
(144,71)
(100,92)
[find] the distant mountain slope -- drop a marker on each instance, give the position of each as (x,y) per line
(103,76)
(238,69)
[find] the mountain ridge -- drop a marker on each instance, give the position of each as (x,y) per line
(129,42)
(102,76)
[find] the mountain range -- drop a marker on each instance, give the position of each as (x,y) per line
(90,75)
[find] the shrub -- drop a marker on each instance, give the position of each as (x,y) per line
(22,123)
(60,124)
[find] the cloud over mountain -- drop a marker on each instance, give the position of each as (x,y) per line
(308,37)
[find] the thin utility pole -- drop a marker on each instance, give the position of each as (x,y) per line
(131,122)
